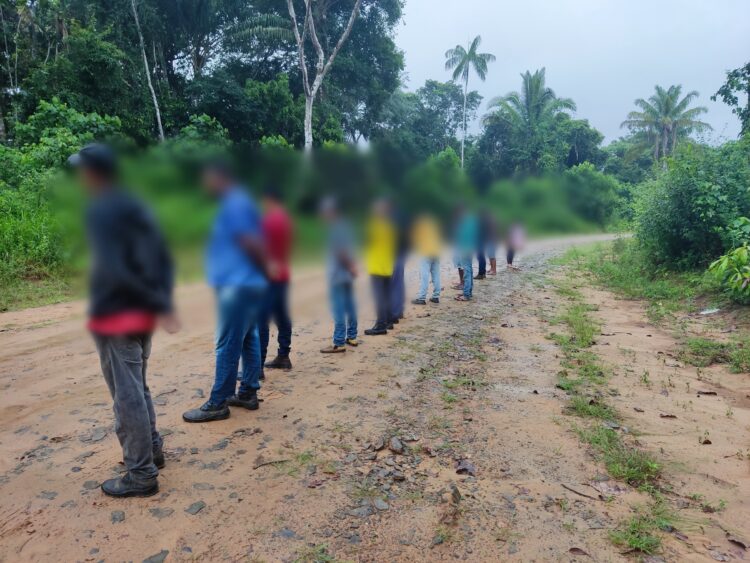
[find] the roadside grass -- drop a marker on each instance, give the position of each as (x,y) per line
(623,461)
(703,352)
(589,407)
(639,532)
(627,463)
(622,267)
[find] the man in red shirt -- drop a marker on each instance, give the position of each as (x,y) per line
(278,234)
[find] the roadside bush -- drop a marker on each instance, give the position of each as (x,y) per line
(733,269)
(682,216)
(591,194)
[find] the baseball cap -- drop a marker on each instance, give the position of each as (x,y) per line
(97,157)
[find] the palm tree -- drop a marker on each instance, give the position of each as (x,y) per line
(528,114)
(461,61)
(530,109)
(665,118)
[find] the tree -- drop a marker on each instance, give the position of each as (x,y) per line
(461,62)
(665,118)
(148,72)
(323,64)
(532,118)
(738,82)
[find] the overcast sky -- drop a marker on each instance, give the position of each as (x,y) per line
(602,53)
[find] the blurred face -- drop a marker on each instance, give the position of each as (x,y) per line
(380,208)
(93,182)
(214,182)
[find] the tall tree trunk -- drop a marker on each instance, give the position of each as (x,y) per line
(2,126)
(148,72)
(308,123)
(463,138)
(323,64)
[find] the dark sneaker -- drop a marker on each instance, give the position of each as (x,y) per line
(395,321)
(247,401)
(206,413)
(479,277)
(434,300)
(390,326)
(126,486)
(353,342)
(375,331)
(280,362)
(418,302)
(333,349)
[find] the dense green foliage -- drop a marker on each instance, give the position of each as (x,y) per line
(684,213)
(226,76)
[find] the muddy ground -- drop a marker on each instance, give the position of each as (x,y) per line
(445,440)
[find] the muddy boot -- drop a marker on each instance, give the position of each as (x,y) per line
(333,349)
(280,362)
(419,301)
(206,413)
(126,486)
(247,401)
(353,342)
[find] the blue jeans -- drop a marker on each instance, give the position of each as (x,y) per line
(236,336)
(429,268)
(276,308)
(398,289)
(344,310)
(468,268)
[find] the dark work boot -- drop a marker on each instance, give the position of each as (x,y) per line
(376,331)
(280,362)
(206,413)
(126,486)
(159,458)
(419,301)
(247,401)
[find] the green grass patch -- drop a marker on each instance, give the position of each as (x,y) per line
(703,352)
(640,531)
(592,408)
(739,357)
(622,267)
(636,467)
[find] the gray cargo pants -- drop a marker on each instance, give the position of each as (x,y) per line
(123,360)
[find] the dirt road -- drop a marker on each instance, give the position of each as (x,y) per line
(445,440)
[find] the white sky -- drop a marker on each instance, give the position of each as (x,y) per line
(602,53)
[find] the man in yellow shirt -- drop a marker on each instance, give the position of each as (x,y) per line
(380,256)
(427,242)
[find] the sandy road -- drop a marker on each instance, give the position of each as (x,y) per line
(300,477)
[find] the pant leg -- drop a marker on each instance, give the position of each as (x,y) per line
(397,289)
(435,275)
(482,260)
(509,256)
(234,321)
(283,318)
(251,365)
(491,250)
(350,309)
(122,362)
(156,440)
(468,276)
(264,323)
(381,293)
(425,265)
(338,310)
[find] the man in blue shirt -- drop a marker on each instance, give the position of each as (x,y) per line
(236,269)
